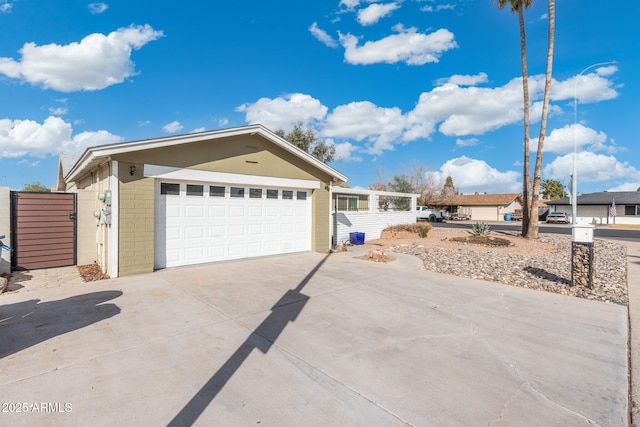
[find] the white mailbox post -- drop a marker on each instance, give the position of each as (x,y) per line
(582,255)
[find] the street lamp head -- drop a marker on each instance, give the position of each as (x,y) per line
(574,181)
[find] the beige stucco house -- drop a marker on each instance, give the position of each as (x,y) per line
(483,207)
(196,198)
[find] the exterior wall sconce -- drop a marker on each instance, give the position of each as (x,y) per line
(132,170)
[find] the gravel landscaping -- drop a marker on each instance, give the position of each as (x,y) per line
(542,264)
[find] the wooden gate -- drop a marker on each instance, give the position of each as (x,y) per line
(43,230)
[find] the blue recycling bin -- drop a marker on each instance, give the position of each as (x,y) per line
(507,217)
(356,238)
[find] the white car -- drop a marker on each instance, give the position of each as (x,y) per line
(556,217)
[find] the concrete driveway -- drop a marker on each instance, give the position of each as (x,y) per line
(309,339)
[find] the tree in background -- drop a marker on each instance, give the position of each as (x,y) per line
(401,184)
(552,190)
(448,189)
(306,140)
(36,187)
(518,6)
(531,191)
(537,173)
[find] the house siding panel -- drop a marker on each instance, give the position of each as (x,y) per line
(136,223)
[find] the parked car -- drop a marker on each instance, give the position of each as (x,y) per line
(556,217)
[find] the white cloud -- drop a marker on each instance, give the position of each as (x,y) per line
(471,142)
(142,123)
(58,111)
(89,139)
(5,7)
(587,88)
(322,35)
(284,112)
(97,8)
(94,63)
(629,186)
(350,4)
(365,120)
(453,109)
(591,167)
(561,141)
(472,175)
(438,8)
(374,12)
(464,80)
(223,122)
(407,46)
(345,151)
(54,136)
(172,127)
(197,130)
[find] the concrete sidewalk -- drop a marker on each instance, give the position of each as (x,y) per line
(309,339)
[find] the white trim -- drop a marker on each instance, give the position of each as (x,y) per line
(114,241)
(166,172)
(366,192)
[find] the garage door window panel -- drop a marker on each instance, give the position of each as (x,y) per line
(287,195)
(272,194)
(255,193)
(169,189)
(216,191)
(195,190)
(237,192)
(301,195)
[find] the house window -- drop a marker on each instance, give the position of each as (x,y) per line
(169,189)
(237,192)
(347,203)
(255,193)
(216,191)
(272,194)
(632,210)
(301,195)
(287,194)
(195,190)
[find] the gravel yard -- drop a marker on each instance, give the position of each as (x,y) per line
(543,264)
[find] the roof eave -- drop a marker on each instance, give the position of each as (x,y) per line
(99,154)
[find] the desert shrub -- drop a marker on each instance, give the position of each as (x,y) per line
(421,229)
(480,229)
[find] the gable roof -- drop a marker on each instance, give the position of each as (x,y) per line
(94,156)
(478,200)
(602,198)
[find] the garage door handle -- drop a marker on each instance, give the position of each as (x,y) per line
(72,215)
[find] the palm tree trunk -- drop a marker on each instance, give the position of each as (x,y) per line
(526,213)
(533,224)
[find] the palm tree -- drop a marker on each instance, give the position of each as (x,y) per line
(533,225)
(518,6)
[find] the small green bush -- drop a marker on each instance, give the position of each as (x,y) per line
(480,229)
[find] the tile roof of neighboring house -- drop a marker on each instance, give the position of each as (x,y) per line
(603,198)
(478,200)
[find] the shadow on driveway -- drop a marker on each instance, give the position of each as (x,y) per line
(25,324)
(284,311)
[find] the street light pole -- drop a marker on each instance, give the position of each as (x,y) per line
(574,179)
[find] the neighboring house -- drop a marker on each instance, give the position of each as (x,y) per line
(482,207)
(369,212)
(196,198)
(595,208)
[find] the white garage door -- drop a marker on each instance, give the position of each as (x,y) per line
(198,222)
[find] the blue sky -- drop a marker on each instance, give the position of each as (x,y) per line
(393,84)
